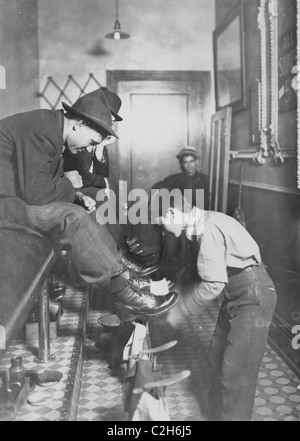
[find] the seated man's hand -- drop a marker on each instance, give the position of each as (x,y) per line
(85,201)
(75,178)
(99,149)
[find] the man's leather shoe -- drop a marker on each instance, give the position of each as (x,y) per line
(146,259)
(134,245)
(139,269)
(131,303)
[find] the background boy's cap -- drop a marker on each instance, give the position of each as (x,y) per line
(188,151)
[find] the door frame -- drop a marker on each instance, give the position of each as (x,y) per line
(113,77)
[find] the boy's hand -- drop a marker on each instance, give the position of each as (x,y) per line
(89,204)
(86,202)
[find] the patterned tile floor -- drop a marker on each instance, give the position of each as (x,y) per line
(101,396)
(278,389)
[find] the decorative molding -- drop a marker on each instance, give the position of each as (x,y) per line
(256,156)
(278,154)
(244,154)
(298,93)
(259,156)
(274,144)
(262,25)
(266,187)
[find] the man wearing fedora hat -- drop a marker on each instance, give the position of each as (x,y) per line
(94,172)
(174,251)
(92,163)
(36,195)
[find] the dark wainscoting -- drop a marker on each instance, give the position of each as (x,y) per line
(273,219)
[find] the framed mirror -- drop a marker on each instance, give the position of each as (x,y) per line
(229,53)
(284,33)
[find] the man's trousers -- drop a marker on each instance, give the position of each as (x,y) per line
(239,342)
(93,252)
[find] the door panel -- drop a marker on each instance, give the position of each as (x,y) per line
(162,128)
(161,116)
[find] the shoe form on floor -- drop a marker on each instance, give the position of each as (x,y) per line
(131,303)
(141,270)
(164,382)
(156,350)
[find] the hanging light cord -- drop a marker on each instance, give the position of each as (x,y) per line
(117,10)
(117,33)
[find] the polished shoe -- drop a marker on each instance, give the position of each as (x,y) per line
(131,303)
(141,270)
(146,259)
(134,245)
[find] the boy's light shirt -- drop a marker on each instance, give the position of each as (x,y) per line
(195,223)
(224,243)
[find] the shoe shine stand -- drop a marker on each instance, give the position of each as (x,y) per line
(133,358)
(145,391)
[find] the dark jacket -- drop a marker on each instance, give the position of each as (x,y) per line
(82,162)
(31,164)
(182,181)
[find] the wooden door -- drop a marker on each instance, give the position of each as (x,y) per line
(163,112)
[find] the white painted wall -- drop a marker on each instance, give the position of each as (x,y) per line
(165,35)
(18,56)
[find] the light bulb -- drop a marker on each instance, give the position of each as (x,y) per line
(117,36)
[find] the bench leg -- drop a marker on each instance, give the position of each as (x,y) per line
(44,326)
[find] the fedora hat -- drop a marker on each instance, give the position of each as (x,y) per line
(188,151)
(114,103)
(94,108)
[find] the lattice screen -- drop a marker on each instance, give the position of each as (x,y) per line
(53,94)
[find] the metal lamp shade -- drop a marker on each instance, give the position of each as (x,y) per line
(117,33)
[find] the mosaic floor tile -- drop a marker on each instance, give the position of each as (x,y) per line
(101,395)
(277,395)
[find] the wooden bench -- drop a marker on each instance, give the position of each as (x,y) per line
(26,261)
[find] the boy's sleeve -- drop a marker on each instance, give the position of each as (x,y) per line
(199,293)
(211,262)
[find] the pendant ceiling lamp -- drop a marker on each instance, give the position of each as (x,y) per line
(117,33)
